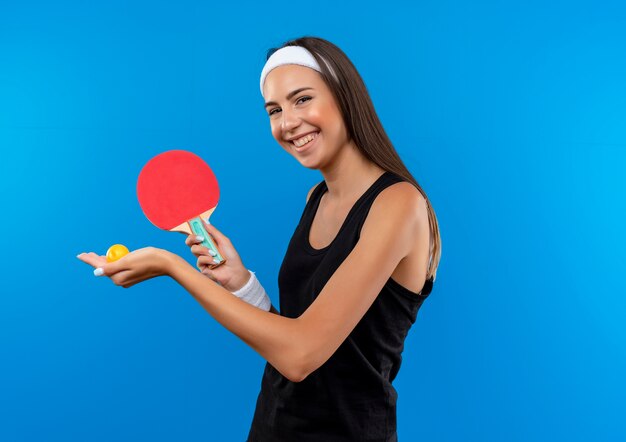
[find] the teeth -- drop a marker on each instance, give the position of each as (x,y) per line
(304,140)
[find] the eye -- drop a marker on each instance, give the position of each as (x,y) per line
(304,98)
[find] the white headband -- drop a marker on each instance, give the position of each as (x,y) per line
(291,55)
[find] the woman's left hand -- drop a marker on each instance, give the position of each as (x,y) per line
(137,266)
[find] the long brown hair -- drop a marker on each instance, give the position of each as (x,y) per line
(363,124)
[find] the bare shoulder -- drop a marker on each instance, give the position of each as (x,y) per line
(402,209)
(402,198)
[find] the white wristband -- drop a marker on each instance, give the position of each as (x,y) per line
(254,294)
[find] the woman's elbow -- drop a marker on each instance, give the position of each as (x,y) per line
(303,365)
(295,376)
(305,355)
(293,371)
(296,369)
(297,365)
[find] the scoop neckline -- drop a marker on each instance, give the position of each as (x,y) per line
(307,233)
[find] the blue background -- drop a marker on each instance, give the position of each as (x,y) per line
(512,117)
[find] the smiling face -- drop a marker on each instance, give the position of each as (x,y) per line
(304,118)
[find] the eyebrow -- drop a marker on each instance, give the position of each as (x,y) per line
(289,95)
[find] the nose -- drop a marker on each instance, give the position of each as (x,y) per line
(290,121)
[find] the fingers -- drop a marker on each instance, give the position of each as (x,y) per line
(104,270)
(92,259)
(199,250)
(113,269)
(221,242)
(193,239)
(219,237)
(124,279)
(117,271)
(206,260)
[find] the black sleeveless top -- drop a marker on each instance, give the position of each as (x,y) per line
(350,397)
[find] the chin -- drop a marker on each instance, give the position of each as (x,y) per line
(309,164)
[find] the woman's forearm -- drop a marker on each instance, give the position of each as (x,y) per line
(276,338)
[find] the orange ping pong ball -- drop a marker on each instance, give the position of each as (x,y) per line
(115,252)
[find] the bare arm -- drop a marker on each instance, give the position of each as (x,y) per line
(297,347)
(276,338)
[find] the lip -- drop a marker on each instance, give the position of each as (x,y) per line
(308,146)
(302,135)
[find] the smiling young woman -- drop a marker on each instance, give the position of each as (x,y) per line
(359,265)
(361,261)
(304,118)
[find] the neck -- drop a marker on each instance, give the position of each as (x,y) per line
(349,174)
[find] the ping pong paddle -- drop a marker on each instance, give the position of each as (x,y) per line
(176,191)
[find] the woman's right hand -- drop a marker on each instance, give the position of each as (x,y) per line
(232,275)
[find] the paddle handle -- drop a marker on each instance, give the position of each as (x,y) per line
(197,227)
